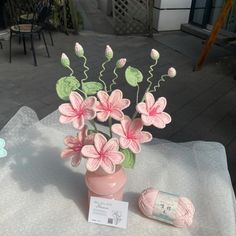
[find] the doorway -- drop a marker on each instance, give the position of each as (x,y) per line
(205,12)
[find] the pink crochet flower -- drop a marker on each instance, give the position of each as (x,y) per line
(131,134)
(78,110)
(103,153)
(75,145)
(111,105)
(152,112)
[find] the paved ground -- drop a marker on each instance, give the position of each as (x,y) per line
(202,104)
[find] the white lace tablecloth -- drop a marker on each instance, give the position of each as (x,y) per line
(41,194)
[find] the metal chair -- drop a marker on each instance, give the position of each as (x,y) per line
(23,30)
(43,9)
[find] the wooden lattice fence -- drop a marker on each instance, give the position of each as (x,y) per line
(132,16)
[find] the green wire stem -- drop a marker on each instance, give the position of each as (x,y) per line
(137,94)
(134,115)
(86,69)
(100,75)
(159,83)
(85,95)
(72,72)
(110,124)
(151,75)
(151,91)
(114,80)
(148,88)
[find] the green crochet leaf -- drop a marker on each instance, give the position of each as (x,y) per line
(129,158)
(65,86)
(133,76)
(91,88)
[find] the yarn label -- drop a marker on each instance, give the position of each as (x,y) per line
(165,207)
(108,212)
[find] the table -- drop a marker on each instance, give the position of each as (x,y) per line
(43,195)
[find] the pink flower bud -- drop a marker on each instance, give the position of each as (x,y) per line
(108,52)
(121,63)
(171,72)
(65,60)
(155,54)
(79,51)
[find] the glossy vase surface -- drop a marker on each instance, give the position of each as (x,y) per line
(101,184)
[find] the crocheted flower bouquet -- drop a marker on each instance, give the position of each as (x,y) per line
(91,100)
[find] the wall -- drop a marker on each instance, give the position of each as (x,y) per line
(170,14)
(105,6)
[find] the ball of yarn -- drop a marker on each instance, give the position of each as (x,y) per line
(183,214)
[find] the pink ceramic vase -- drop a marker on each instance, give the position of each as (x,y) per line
(101,184)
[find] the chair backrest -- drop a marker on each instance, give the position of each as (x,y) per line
(19,8)
(43,9)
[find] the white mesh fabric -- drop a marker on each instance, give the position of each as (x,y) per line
(43,195)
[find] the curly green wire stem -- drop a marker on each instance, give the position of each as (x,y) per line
(151,75)
(152,91)
(148,88)
(110,124)
(159,83)
(86,69)
(101,74)
(134,115)
(114,80)
(72,72)
(137,94)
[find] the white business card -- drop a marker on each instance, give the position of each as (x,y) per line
(108,212)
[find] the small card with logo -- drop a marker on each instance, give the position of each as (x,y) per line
(108,212)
